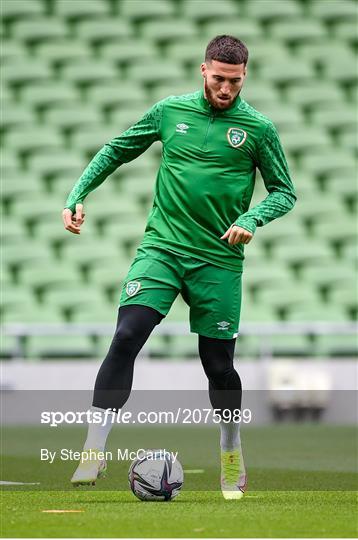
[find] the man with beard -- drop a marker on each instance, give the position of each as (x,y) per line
(213,142)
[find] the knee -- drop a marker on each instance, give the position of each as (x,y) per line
(125,333)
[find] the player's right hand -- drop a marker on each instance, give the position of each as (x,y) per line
(73,221)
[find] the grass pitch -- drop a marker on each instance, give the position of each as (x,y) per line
(302,481)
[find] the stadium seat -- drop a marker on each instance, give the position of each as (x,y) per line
(333,11)
(73,296)
(189,53)
(14,295)
(345,72)
(13,114)
(174,88)
(155,71)
(287,72)
(201,10)
(54,161)
(346,31)
(42,273)
(35,31)
(47,93)
(111,95)
(88,252)
(102,313)
(21,9)
(327,160)
(297,30)
(72,116)
(319,52)
(123,53)
(248,30)
(19,183)
(103,30)
(164,31)
(22,253)
(110,276)
(299,250)
(345,293)
(11,50)
(60,347)
(140,10)
(123,117)
(60,52)
(77,9)
(86,72)
(287,294)
(27,139)
(313,139)
(25,70)
(321,274)
(313,93)
(270,10)
(337,346)
(33,313)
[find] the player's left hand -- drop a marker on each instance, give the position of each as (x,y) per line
(236,234)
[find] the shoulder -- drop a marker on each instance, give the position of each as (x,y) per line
(261,119)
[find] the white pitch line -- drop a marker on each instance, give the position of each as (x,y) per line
(61,511)
(5,483)
(194,471)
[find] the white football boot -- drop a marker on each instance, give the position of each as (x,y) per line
(233,474)
(89,470)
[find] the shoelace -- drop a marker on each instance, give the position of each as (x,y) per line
(231,467)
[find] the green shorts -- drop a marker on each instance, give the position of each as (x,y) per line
(212,293)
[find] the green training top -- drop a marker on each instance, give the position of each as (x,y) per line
(206,177)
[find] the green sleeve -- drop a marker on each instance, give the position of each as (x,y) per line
(122,149)
(281,197)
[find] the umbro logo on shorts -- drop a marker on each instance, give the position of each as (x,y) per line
(223,325)
(132,288)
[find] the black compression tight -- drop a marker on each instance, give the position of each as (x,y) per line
(134,325)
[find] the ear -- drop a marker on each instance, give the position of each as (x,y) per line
(203,69)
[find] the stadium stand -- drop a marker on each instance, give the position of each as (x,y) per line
(75,74)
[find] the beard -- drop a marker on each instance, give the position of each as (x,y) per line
(212,98)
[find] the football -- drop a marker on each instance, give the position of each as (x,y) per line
(156,475)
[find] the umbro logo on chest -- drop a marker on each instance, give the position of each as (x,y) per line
(182,128)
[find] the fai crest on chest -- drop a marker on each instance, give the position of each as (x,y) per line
(236,136)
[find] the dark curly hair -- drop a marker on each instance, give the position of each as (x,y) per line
(227,49)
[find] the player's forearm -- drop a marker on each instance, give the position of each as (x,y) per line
(276,205)
(101,166)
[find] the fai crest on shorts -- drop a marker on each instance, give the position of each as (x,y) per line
(236,136)
(132,288)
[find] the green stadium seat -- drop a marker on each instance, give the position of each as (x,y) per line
(263,275)
(287,294)
(54,161)
(111,95)
(14,295)
(346,31)
(284,116)
(46,272)
(90,251)
(86,72)
(141,10)
(300,250)
(25,252)
(51,229)
(297,30)
(287,72)
(34,206)
(27,139)
(60,347)
(321,274)
(8,346)
(313,93)
(122,52)
(19,183)
(77,9)
(48,93)
(103,30)
(337,345)
(248,30)
(90,142)
(348,139)
(165,31)
(102,313)
(11,232)
(333,11)
(21,9)
(72,115)
(14,114)
(59,52)
(129,234)
(252,312)
(319,52)
(190,53)
(313,138)
(73,296)
(9,164)
(34,31)
(175,88)
(345,72)
(25,70)
(124,118)
(201,10)
(270,10)
(290,345)
(344,293)
(33,313)
(343,183)
(340,116)
(329,208)
(179,312)
(105,204)
(278,230)
(136,189)
(327,160)
(155,71)
(110,276)
(11,51)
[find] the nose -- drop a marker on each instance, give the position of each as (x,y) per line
(225,89)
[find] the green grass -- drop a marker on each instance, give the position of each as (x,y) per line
(192,514)
(302,481)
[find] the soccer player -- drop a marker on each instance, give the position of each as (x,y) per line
(212,144)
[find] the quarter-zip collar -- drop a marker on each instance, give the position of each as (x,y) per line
(217,112)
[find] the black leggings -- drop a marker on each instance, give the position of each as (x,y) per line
(134,325)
